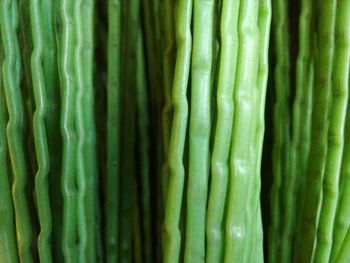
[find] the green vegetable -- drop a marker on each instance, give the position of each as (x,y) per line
(113,132)
(241,164)
(11,70)
(69,133)
(340,80)
(318,148)
(40,138)
(8,251)
(182,17)
(221,149)
(199,130)
(280,151)
(301,115)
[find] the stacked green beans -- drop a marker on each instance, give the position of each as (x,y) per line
(308,193)
(174,131)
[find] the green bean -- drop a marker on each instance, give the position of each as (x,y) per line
(40,138)
(69,133)
(11,79)
(85,44)
(305,79)
(256,235)
(318,151)
(342,222)
(340,78)
(113,131)
(199,130)
(144,148)
(81,133)
(281,124)
(298,144)
(183,38)
(8,250)
(49,62)
(241,166)
(168,71)
(128,144)
(219,162)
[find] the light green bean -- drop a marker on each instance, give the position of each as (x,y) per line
(241,166)
(199,130)
(340,80)
(223,131)
(113,132)
(183,38)
(318,151)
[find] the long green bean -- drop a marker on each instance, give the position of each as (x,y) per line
(318,151)
(241,166)
(304,79)
(281,124)
(50,71)
(69,134)
(8,250)
(256,234)
(11,79)
(81,133)
(113,132)
(300,114)
(168,71)
(199,130)
(340,80)
(223,131)
(86,49)
(183,38)
(40,138)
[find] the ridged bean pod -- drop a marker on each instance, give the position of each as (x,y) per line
(281,125)
(40,138)
(8,250)
(338,107)
(11,70)
(113,132)
(221,149)
(81,133)
(242,168)
(69,133)
(305,238)
(84,13)
(254,211)
(183,38)
(168,73)
(301,113)
(199,130)
(52,120)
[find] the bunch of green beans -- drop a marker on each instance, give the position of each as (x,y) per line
(308,194)
(174,131)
